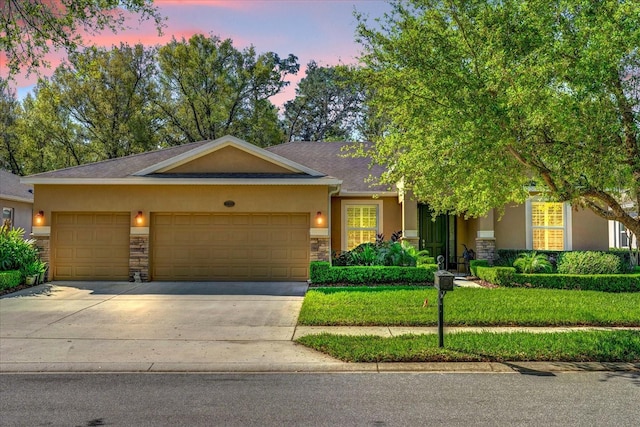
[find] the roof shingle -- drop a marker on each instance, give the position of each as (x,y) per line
(333,159)
(11,187)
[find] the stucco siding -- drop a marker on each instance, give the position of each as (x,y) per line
(229,160)
(510,230)
(22,214)
(392,219)
(590,232)
(180,198)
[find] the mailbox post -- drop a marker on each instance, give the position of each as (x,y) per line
(443,282)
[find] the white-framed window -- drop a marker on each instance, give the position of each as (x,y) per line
(7,216)
(361,222)
(624,237)
(618,237)
(548,225)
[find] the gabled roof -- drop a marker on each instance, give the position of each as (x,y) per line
(151,167)
(12,189)
(332,158)
(220,143)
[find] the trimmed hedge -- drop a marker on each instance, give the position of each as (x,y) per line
(592,282)
(428,260)
(475,263)
(322,273)
(10,279)
(501,276)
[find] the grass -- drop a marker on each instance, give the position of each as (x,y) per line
(403,306)
(591,346)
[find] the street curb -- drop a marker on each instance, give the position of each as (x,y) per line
(525,368)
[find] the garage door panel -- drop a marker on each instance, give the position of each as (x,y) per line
(90,246)
(298,255)
(298,236)
(279,254)
(258,255)
(260,219)
(300,220)
(63,219)
(257,247)
(299,273)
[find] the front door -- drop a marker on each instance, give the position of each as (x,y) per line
(438,235)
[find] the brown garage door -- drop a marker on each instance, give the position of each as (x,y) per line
(229,247)
(90,246)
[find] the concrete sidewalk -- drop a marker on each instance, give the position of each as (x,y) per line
(192,327)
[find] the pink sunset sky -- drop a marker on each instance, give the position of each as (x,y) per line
(322,30)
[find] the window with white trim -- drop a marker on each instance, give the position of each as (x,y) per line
(548,226)
(7,216)
(624,237)
(361,222)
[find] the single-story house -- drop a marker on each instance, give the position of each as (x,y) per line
(227,210)
(16,202)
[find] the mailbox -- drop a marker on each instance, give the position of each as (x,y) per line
(443,280)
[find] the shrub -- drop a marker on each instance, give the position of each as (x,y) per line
(628,258)
(589,262)
(323,273)
(599,282)
(506,257)
(501,276)
(10,279)
(533,262)
(391,253)
(15,252)
(475,263)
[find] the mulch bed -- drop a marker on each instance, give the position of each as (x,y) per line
(15,289)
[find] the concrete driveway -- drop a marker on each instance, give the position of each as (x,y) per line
(157,326)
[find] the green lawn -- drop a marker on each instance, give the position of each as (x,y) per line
(593,346)
(403,306)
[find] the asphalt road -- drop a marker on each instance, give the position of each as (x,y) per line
(421,399)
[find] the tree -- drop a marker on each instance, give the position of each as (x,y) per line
(487,98)
(97,107)
(210,88)
(49,138)
(327,107)
(30,28)
(9,145)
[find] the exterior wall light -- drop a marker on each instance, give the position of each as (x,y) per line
(319,218)
(40,218)
(139,218)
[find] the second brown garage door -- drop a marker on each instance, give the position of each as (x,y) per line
(229,247)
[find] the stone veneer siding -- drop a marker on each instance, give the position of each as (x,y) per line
(139,257)
(486,249)
(43,245)
(320,249)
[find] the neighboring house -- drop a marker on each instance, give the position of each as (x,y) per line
(619,237)
(228,210)
(16,202)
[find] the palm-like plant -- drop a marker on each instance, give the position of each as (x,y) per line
(533,262)
(420,256)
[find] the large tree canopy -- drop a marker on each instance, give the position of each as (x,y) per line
(487,98)
(210,88)
(30,28)
(328,105)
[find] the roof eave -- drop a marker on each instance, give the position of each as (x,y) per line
(16,198)
(143,180)
(370,193)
